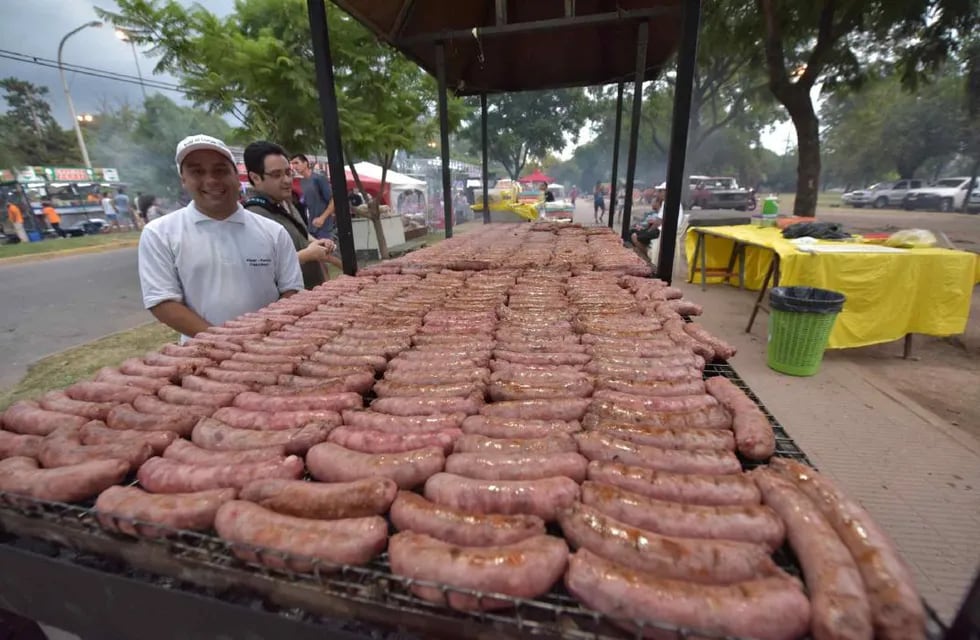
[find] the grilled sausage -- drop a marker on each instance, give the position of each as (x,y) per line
(184,365)
(389,389)
(64,448)
(323,501)
(412,512)
(496,427)
(477,443)
(689,387)
(597,446)
(114,376)
(263,536)
(154,405)
(753,433)
(164,475)
(21,475)
(375,441)
(58,401)
(677,487)
(517,466)
(133,511)
(185,451)
(252,401)
(19,445)
(606,412)
(722,349)
(103,392)
(26,417)
(217,436)
(524,569)
(267,367)
(242,377)
(125,417)
(274,420)
(329,462)
(689,439)
(542,498)
(96,432)
(428,405)
(136,367)
(551,409)
(402,424)
(200,383)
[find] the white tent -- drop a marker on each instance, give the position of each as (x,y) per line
(395,179)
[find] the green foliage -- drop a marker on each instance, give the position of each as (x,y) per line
(141,143)
(29,134)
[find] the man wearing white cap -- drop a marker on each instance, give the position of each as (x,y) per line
(212,260)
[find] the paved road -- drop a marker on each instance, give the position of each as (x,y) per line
(51,305)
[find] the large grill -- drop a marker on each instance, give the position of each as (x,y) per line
(367,601)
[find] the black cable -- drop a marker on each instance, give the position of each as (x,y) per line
(89,71)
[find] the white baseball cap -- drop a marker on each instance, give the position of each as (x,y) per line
(200,141)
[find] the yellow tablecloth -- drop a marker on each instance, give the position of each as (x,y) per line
(889,295)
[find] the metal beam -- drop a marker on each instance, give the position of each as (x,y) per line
(550,24)
(641,60)
(403,12)
(615,165)
(569,8)
(686,61)
(447,201)
(500,12)
(483,175)
(320,37)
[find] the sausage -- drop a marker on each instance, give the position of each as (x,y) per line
(309,545)
(26,417)
(497,427)
(538,375)
(542,498)
(154,405)
(754,436)
(136,367)
(513,390)
(550,409)
(58,401)
(320,501)
(274,420)
(426,405)
(113,376)
(179,395)
(407,366)
(595,445)
(103,392)
(656,403)
(402,424)
(196,351)
(604,412)
(747,523)
(267,367)
(689,387)
(429,339)
(19,445)
(477,443)
(645,374)
(689,439)
(252,401)
(184,365)
(323,370)
(242,377)
(279,349)
(133,511)
(524,569)
(389,389)
(288,384)
(840,604)
(64,448)
(229,329)
(378,363)
(769,608)
(185,451)
(896,609)
(199,383)
(218,436)
(517,466)
(722,349)
(329,462)
(384,348)
(234,338)
(554,358)
(700,560)
(263,358)
(682,360)
(125,417)
(677,487)
(215,343)
(375,441)
(165,475)
(96,432)
(666,349)
(542,346)
(72,483)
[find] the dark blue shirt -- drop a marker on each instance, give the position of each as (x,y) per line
(316,197)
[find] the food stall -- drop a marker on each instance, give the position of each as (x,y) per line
(74,192)
(323,487)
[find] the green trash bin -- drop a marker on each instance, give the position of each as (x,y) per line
(800,322)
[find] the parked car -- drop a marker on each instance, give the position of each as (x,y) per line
(946,194)
(91,227)
(719,193)
(882,194)
(973,204)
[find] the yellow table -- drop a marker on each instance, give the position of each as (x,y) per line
(889,295)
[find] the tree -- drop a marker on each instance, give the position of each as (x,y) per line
(528,125)
(29,134)
(831,41)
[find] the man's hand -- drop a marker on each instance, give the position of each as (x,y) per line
(315,252)
(327,244)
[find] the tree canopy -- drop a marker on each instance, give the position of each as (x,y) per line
(29,134)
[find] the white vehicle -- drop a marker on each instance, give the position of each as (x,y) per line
(947,194)
(881,195)
(973,204)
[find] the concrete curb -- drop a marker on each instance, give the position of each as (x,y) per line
(51,255)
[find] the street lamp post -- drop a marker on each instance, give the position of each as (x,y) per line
(71,105)
(124,36)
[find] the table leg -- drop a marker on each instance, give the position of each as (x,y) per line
(731,262)
(741,267)
(907,348)
(693,267)
(704,263)
(771,273)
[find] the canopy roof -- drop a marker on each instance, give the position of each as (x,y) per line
(391,177)
(495,46)
(537,176)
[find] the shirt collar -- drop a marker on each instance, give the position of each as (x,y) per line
(238,217)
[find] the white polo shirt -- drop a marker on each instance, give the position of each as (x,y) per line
(218,268)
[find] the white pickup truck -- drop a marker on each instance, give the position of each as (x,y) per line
(881,195)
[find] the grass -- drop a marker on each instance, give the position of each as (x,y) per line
(64,368)
(51,245)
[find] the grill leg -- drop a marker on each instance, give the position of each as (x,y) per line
(907,347)
(771,274)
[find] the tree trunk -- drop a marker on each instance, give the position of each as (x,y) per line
(804,117)
(378,231)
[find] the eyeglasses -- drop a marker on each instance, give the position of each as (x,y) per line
(278,175)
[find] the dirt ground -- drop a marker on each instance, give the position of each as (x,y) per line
(944,373)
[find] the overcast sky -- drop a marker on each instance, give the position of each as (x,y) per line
(36,28)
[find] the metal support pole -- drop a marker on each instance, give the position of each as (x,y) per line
(484,176)
(686,61)
(641,66)
(71,105)
(139,72)
(615,168)
(331,131)
(447,201)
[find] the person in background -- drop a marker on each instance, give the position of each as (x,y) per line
(598,203)
(51,215)
(109,209)
(154,211)
(212,260)
(143,203)
(270,175)
(548,195)
(318,198)
(16,218)
(124,210)
(573,194)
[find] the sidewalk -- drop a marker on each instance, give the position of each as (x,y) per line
(918,475)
